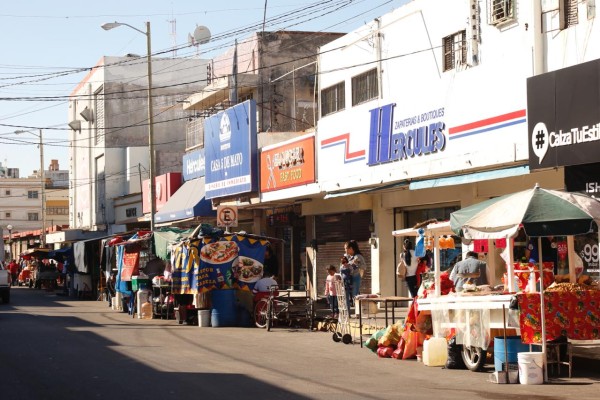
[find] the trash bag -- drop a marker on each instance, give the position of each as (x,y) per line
(455,360)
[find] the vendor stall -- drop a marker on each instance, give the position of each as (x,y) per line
(540,213)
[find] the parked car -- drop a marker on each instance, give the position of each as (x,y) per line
(5,279)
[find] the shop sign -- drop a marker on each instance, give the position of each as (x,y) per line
(281,219)
(563,109)
(230,151)
(395,140)
(288,165)
(194,165)
(164,187)
(583,179)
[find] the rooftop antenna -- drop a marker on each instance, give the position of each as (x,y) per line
(200,36)
(173,34)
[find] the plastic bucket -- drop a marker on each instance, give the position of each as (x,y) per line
(514,346)
(223,311)
(530,368)
(204,318)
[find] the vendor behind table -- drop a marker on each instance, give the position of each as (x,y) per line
(469,270)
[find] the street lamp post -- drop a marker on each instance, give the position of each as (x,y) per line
(108,26)
(43,182)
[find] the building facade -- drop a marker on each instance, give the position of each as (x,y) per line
(108,116)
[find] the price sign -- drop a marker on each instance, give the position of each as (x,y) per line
(227,216)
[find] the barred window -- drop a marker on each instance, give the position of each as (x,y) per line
(501,11)
(32,194)
(570,13)
(365,87)
(333,99)
(455,50)
(32,216)
(7,215)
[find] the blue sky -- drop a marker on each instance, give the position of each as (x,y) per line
(44,43)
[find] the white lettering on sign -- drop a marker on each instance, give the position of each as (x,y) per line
(195,165)
(229,161)
(541,138)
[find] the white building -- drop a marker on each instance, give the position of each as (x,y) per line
(424,111)
(108,114)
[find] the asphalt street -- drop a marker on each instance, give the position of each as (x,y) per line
(60,348)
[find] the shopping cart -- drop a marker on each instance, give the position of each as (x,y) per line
(342,332)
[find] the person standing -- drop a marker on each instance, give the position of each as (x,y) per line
(13,267)
(468,270)
(358,264)
(271,268)
(409,262)
(330,291)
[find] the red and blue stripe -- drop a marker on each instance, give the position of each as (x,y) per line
(488,124)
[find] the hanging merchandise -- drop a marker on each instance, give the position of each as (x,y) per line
(429,242)
(420,244)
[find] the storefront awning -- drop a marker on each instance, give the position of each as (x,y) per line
(187,202)
(469,178)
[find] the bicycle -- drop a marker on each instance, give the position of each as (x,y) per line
(272,307)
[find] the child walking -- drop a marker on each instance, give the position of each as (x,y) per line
(330,291)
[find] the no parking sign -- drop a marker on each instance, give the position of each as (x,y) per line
(227,216)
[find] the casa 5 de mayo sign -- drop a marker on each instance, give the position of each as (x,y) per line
(230,145)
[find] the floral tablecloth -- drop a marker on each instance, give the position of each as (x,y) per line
(575,315)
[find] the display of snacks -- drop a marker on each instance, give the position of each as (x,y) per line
(570,287)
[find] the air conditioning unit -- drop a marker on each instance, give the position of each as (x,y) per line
(87,114)
(75,125)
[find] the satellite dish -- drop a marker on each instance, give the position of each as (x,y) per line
(201,35)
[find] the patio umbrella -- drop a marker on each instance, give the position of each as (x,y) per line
(541,212)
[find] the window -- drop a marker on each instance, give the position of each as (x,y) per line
(365,87)
(501,11)
(32,217)
(99,132)
(569,13)
(57,211)
(333,99)
(32,194)
(455,50)
(7,192)
(7,215)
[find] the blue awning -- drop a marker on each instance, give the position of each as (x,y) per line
(469,178)
(187,202)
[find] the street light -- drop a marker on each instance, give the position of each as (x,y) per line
(43,178)
(111,25)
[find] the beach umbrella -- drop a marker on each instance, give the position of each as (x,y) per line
(541,212)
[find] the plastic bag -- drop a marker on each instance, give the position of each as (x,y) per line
(455,360)
(372,342)
(411,342)
(391,337)
(385,351)
(420,244)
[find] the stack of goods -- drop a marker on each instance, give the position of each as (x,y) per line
(522,272)
(446,285)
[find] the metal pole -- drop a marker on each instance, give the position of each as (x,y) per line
(151,129)
(43,177)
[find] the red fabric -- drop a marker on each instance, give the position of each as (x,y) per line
(14,268)
(575,315)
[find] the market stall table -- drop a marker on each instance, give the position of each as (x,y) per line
(575,315)
(385,301)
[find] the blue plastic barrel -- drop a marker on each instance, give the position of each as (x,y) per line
(223,311)
(513,347)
